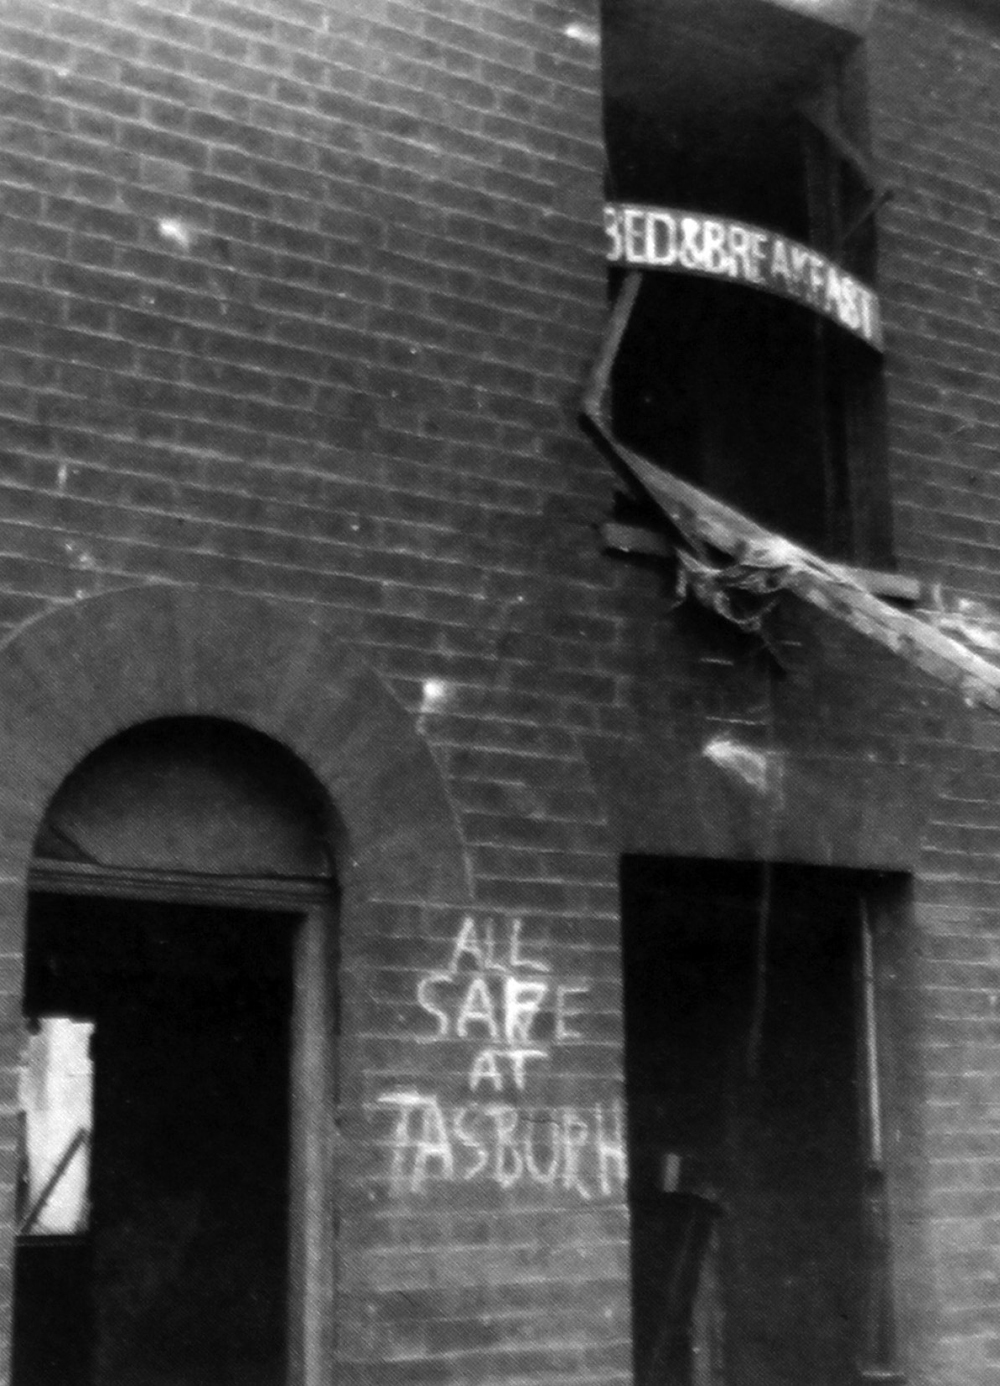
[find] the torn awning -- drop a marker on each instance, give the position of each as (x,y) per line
(702,519)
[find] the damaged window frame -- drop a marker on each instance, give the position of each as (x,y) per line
(935,638)
(55,1100)
(710,384)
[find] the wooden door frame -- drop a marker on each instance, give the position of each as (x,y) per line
(310,904)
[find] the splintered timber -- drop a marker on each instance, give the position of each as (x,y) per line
(659,238)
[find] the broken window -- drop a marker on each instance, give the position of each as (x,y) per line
(752,116)
(750,1159)
(55,1099)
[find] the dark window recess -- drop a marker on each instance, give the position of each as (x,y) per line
(749,111)
(743,1018)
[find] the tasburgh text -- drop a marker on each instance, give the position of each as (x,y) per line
(493,993)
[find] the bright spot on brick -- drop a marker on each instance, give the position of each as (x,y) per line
(178,231)
(586,34)
(434,696)
(80,556)
(759,770)
(435,692)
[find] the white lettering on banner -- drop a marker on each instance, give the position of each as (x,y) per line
(662,238)
(500,996)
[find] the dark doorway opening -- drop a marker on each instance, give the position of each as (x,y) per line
(180,1275)
(747,1157)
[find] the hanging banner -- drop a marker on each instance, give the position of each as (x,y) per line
(661,238)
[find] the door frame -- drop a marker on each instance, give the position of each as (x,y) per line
(310,903)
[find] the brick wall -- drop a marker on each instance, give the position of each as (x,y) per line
(934,76)
(276,276)
(297,301)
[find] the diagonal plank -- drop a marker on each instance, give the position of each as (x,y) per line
(703,519)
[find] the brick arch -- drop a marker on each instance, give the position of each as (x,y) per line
(73,678)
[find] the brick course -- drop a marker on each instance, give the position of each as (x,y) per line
(298,300)
(933,81)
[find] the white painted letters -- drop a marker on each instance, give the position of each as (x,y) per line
(661,238)
(425,1000)
(567,1012)
(477,1009)
(498,995)
(580,1149)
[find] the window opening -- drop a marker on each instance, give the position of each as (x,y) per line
(750,1170)
(166,1256)
(751,112)
(55,1106)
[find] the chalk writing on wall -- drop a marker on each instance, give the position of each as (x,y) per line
(499,995)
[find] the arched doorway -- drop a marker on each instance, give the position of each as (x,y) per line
(176,1189)
(76,677)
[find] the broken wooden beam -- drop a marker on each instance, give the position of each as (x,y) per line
(703,519)
(651,543)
